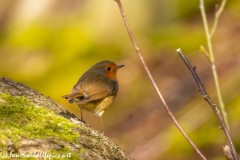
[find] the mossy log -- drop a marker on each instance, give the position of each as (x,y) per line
(34,126)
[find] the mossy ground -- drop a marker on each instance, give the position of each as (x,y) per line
(20,118)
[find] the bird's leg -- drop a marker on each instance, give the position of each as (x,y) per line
(82,116)
(102,126)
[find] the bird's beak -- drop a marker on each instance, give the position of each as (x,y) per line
(120,66)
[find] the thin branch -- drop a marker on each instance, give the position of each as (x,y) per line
(217,15)
(211,103)
(152,80)
(211,55)
(227,152)
(205,23)
(205,52)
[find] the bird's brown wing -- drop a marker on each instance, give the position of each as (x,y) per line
(91,93)
(95,92)
(71,96)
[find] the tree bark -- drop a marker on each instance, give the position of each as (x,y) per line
(90,145)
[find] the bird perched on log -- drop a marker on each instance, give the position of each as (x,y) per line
(96,89)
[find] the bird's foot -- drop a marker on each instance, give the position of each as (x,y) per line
(82,120)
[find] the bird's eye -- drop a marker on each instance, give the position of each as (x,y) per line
(108,68)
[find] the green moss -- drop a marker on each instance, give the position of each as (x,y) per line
(19,117)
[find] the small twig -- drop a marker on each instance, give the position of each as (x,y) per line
(211,103)
(227,152)
(152,80)
(205,52)
(211,55)
(217,15)
(205,23)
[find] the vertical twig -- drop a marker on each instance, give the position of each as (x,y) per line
(152,80)
(210,51)
(211,103)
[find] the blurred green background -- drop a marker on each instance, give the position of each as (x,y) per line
(49,44)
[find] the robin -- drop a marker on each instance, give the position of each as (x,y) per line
(96,89)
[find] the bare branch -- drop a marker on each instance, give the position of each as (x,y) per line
(205,52)
(217,15)
(152,80)
(211,103)
(211,55)
(227,152)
